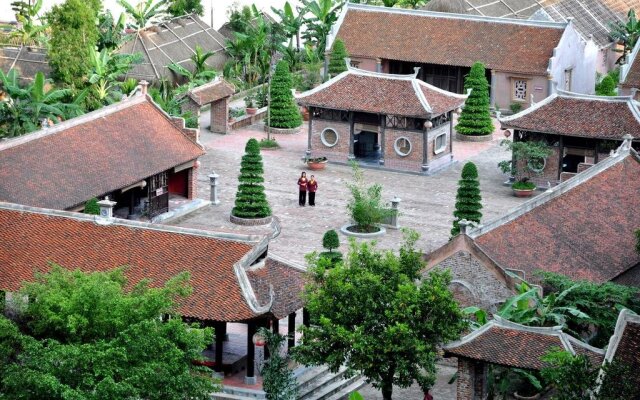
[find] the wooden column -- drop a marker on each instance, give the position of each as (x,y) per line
(220,332)
(451,134)
(383,141)
(560,156)
(425,149)
(351,136)
(275,327)
(492,90)
(250,378)
(310,131)
(291,331)
(305,317)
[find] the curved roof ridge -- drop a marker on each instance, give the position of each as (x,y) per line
(420,95)
(440,90)
(548,330)
(528,110)
(384,75)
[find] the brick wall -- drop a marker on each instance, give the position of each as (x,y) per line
(465,379)
(549,174)
(192,182)
(193,108)
(339,152)
(411,162)
(220,116)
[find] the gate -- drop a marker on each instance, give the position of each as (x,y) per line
(158,194)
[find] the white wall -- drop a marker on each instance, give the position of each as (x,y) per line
(573,53)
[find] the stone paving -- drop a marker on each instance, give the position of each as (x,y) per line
(427,201)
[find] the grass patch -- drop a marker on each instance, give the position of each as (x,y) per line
(268,144)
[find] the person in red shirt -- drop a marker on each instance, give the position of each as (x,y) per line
(312,186)
(302,189)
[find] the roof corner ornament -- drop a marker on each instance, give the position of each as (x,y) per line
(416,70)
(626,144)
(347,60)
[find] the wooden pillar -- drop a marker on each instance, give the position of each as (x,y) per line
(383,141)
(291,331)
(275,327)
(250,377)
(220,331)
(451,134)
(378,65)
(310,131)
(595,156)
(492,90)
(351,136)
(425,149)
(305,317)
(132,200)
(560,156)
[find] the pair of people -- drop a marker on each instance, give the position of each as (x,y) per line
(307,185)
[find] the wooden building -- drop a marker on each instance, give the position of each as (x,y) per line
(395,121)
(582,130)
(131,151)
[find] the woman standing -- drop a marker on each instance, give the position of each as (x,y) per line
(312,186)
(302,189)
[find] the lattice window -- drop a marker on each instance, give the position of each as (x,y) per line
(520,89)
(331,115)
(403,123)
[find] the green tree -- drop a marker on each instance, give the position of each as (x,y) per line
(107,67)
(110,31)
(337,63)
(251,201)
(375,315)
(627,33)
(468,199)
(607,87)
(74,33)
(178,8)
(527,159)
(365,206)
(323,14)
(475,119)
(291,22)
(145,12)
(28,33)
(278,380)
(91,207)
(331,241)
(572,377)
(83,336)
(283,111)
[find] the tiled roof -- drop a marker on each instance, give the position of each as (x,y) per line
(212,91)
(583,228)
(507,343)
(448,39)
(223,290)
(89,156)
(630,72)
(622,7)
(173,41)
(379,93)
(624,345)
(572,114)
(27,60)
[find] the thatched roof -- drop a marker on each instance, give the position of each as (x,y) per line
(27,60)
(448,6)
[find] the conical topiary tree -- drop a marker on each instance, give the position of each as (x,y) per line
(337,64)
(251,202)
(468,199)
(475,119)
(283,111)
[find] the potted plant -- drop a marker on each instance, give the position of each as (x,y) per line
(234,114)
(250,102)
(528,159)
(316,163)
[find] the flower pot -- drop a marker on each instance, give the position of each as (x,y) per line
(251,111)
(316,166)
(523,192)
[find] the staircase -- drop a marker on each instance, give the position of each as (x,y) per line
(318,383)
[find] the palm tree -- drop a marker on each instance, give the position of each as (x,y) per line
(627,33)
(324,13)
(145,12)
(291,22)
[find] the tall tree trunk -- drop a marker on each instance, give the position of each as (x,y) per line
(298,39)
(387,391)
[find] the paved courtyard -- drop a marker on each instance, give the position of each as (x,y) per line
(427,201)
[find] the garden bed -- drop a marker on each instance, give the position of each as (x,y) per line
(351,230)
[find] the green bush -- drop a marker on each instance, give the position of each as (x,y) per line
(515,107)
(330,240)
(475,119)
(251,201)
(468,198)
(333,257)
(523,185)
(607,87)
(527,158)
(268,144)
(337,63)
(366,207)
(284,112)
(91,207)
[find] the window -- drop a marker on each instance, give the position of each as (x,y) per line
(520,89)
(402,146)
(355,64)
(440,143)
(568,73)
(537,164)
(329,137)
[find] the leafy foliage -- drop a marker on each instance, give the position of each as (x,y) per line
(201,74)
(278,380)
(330,240)
(627,33)
(475,119)
(337,62)
(527,158)
(28,32)
(283,111)
(178,8)
(468,198)
(573,377)
(365,206)
(74,33)
(145,12)
(107,67)
(323,14)
(607,87)
(91,207)
(376,316)
(84,337)
(110,31)
(251,201)
(291,22)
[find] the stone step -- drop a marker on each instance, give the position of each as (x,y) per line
(330,385)
(241,393)
(344,393)
(310,376)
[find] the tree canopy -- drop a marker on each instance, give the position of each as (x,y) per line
(375,315)
(468,198)
(83,336)
(475,119)
(283,111)
(251,201)
(337,62)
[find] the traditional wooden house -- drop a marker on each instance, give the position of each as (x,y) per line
(173,41)
(397,121)
(131,151)
(232,276)
(525,60)
(582,130)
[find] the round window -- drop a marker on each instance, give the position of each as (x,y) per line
(537,164)
(329,137)
(402,146)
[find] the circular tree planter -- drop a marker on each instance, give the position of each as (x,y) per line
(250,221)
(348,230)
(280,131)
(469,138)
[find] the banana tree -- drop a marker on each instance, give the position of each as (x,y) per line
(626,32)
(107,67)
(28,32)
(145,12)
(291,22)
(324,13)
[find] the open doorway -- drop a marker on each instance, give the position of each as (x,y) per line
(366,145)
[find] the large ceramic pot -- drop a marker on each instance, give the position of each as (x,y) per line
(316,166)
(523,192)
(251,111)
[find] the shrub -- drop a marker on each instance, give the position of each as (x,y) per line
(515,107)
(268,144)
(468,198)
(366,207)
(91,207)
(475,119)
(337,63)
(284,112)
(251,201)
(607,87)
(236,112)
(527,158)
(330,240)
